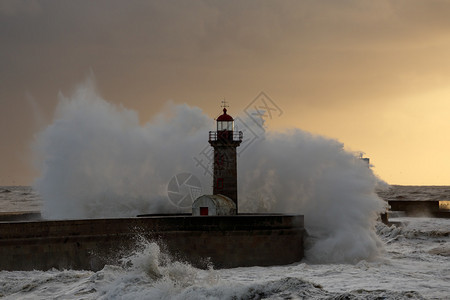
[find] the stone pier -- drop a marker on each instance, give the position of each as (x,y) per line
(223,241)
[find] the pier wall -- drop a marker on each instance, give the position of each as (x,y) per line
(223,241)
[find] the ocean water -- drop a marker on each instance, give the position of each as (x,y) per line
(19,199)
(415,264)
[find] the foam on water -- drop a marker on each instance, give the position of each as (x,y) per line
(96,160)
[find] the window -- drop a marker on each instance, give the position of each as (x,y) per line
(225,125)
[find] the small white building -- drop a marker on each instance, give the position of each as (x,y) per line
(213,205)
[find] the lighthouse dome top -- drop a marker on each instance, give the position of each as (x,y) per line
(225,116)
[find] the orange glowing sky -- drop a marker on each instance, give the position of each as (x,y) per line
(374,75)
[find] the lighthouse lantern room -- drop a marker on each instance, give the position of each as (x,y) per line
(225,122)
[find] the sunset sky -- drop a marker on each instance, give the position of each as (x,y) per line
(374,75)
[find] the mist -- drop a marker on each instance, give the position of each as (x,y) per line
(97,160)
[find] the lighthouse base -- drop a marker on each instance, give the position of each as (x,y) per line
(220,241)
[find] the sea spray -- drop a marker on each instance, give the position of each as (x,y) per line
(297,172)
(96,160)
(150,266)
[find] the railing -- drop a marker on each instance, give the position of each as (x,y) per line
(225,135)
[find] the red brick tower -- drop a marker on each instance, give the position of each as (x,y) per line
(225,141)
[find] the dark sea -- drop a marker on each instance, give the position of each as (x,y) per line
(413,264)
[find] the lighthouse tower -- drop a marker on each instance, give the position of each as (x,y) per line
(225,141)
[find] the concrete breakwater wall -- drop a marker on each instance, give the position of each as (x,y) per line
(227,241)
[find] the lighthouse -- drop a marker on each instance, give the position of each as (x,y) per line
(225,141)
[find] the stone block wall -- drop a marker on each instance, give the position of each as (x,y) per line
(224,241)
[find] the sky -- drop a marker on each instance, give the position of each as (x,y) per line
(374,75)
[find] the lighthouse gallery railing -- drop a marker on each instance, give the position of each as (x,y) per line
(235,136)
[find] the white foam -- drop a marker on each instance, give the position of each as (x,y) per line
(96,160)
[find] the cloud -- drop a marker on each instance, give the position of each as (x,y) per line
(17,7)
(311,55)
